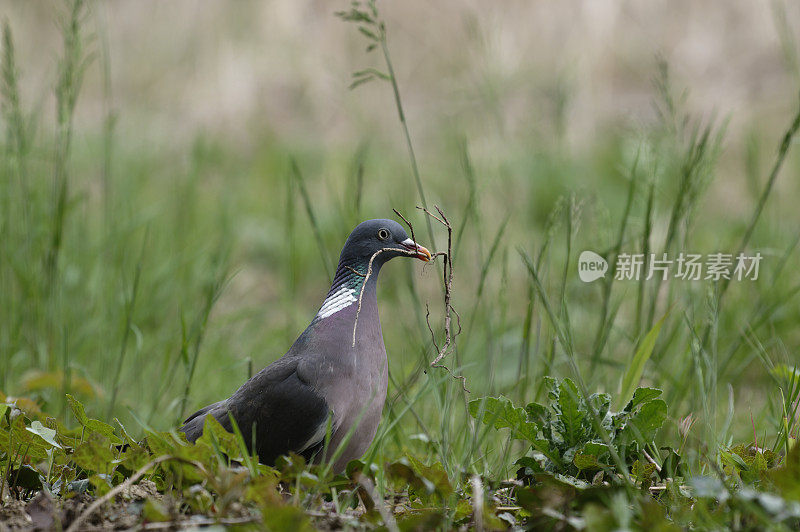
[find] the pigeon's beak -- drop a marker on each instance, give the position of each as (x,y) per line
(420,252)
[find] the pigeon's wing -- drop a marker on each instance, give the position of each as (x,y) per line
(278,407)
(193,426)
(202,412)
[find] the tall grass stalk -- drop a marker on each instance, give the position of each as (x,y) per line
(15,150)
(645,246)
(764,308)
(130,305)
(193,338)
(373,28)
(606,321)
(783,150)
(71,70)
(471,209)
(693,172)
(17,141)
(301,187)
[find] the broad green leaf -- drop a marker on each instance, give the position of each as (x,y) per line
(353,468)
(641,396)
(48,435)
(135,457)
(78,410)
(93,425)
(757,463)
(292,465)
(749,462)
(162,443)
(263,490)
(94,454)
(404,475)
(631,378)
(125,436)
(552,384)
(585,461)
(549,490)
(305,479)
(530,463)
(167,443)
(646,422)
(537,413)
(642,470)
(463,510)
(102,484)
(544,447)
(595,448)
(105,429)
(25,441)
(601,403)
(671,465)
(570,413)
(216,437)
(434,473)
(501,413)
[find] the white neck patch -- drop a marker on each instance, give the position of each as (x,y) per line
(339,300)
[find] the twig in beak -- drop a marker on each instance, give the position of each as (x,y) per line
(447,279)
(410,227)
(366,278)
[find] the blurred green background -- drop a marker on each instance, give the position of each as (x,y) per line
(158,243)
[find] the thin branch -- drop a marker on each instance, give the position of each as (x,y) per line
(410,227)
(447,280)
(76,524)
(355,271)
(368,275)
(458,320)
(428,321)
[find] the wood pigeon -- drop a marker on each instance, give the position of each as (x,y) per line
(337,367)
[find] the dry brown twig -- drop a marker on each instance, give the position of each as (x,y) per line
(355,271)
(447,279)
(366,278)
(78,522)
(448,289)
(449,311)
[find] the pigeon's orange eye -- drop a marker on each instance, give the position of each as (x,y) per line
(383,234)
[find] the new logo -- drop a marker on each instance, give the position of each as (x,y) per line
(591,266)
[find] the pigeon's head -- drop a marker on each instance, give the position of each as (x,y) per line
(387,238)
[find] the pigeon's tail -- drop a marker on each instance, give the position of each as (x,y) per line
(193,426)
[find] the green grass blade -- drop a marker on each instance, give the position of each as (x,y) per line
(634,373)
